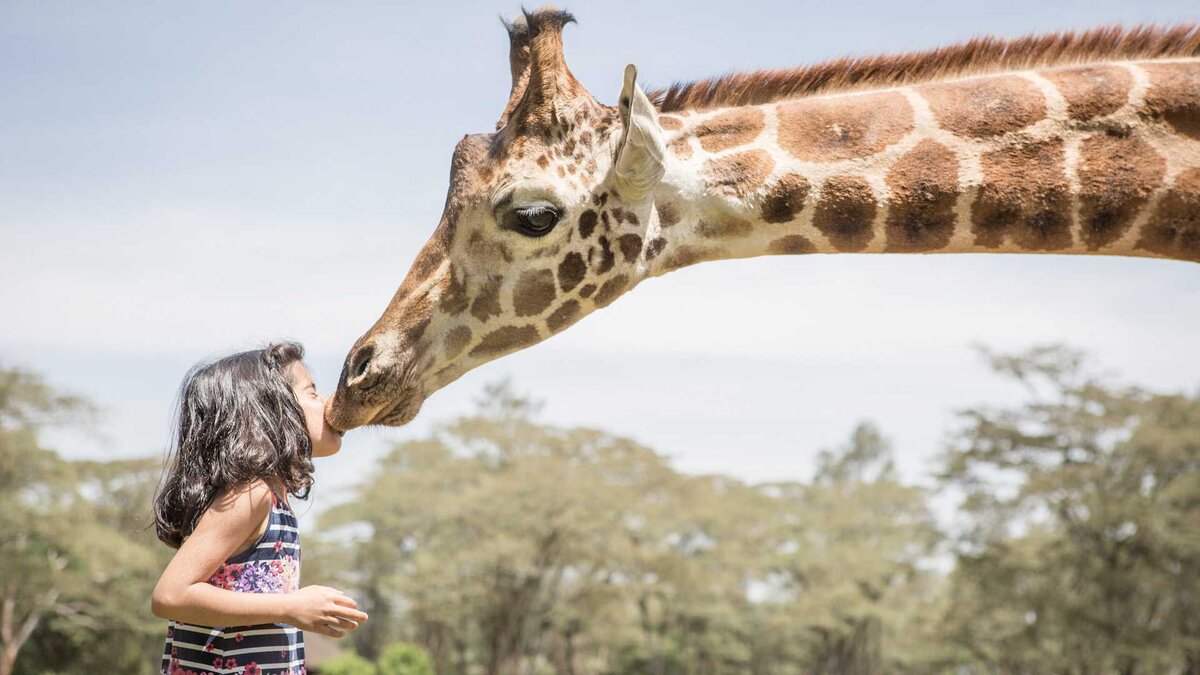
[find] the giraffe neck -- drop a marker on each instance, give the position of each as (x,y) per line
(1101,159)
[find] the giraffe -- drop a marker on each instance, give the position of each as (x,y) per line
(1084,143)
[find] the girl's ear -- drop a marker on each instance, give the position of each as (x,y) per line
(639,162)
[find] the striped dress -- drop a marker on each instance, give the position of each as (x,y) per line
(271,565)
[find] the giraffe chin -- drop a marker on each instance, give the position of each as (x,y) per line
(399,414)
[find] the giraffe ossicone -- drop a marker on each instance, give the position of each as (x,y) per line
(1074,143)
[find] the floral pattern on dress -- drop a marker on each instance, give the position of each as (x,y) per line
(258,576)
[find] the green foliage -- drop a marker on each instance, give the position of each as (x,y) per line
(402,658)
(78,562)
(498,545)
(1082,552)
(348,663)
(501,544)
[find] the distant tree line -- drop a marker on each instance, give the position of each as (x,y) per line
(498,545)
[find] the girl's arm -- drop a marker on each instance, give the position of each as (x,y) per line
(184,594)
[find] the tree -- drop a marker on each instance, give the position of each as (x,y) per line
(78,560)
(504,546)
(502,540)
(1083,552)
(33,548)
(849,559)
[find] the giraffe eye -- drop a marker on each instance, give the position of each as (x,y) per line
(535,220)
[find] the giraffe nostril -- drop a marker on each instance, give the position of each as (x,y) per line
(361,363)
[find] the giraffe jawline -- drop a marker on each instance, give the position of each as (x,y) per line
(397,415)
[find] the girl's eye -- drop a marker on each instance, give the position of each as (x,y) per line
(536,220)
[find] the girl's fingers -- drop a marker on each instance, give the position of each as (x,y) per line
(350,614)
(345,601)
(345,625)
(330,631)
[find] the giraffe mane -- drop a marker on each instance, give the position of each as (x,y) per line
(976,56)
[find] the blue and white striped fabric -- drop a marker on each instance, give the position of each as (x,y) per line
(271,565)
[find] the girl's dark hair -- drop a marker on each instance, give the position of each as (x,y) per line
(238,421)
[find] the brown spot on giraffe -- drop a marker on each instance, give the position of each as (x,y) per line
(607,257)
(454,295)
(587,290)
(681,148)
(1117,174)
(619,215)
(792,244)
(534,292)
(687,255)
(726,226)
(563,316)
(456,340)
(785,199)
(487,303)
(730,129)
(844,212)
(630,245)
(587,223)
(924,187)
(571,271)
(1092,91)
(739,174)
(505,339)
(985,107)
(655,247)
(1024,197)
(1174,227)
(1174,95)
(829,130)
(670,123)
(543,161)
(668,214)
(610,290)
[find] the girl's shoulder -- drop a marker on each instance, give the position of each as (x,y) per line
(239,511)
(246,503)
(258,494)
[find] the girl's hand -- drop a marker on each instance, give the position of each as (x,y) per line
(323,610)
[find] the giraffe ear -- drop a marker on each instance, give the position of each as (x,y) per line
(639,162)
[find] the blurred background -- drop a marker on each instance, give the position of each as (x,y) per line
(792,465)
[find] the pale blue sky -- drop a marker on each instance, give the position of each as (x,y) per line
(179,180)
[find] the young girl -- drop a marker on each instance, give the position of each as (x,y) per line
(249,426)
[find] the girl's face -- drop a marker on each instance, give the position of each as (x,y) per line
(325,441)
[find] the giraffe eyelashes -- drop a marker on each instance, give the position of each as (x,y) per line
(534,220)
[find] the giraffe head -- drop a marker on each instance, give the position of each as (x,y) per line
(545,221)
